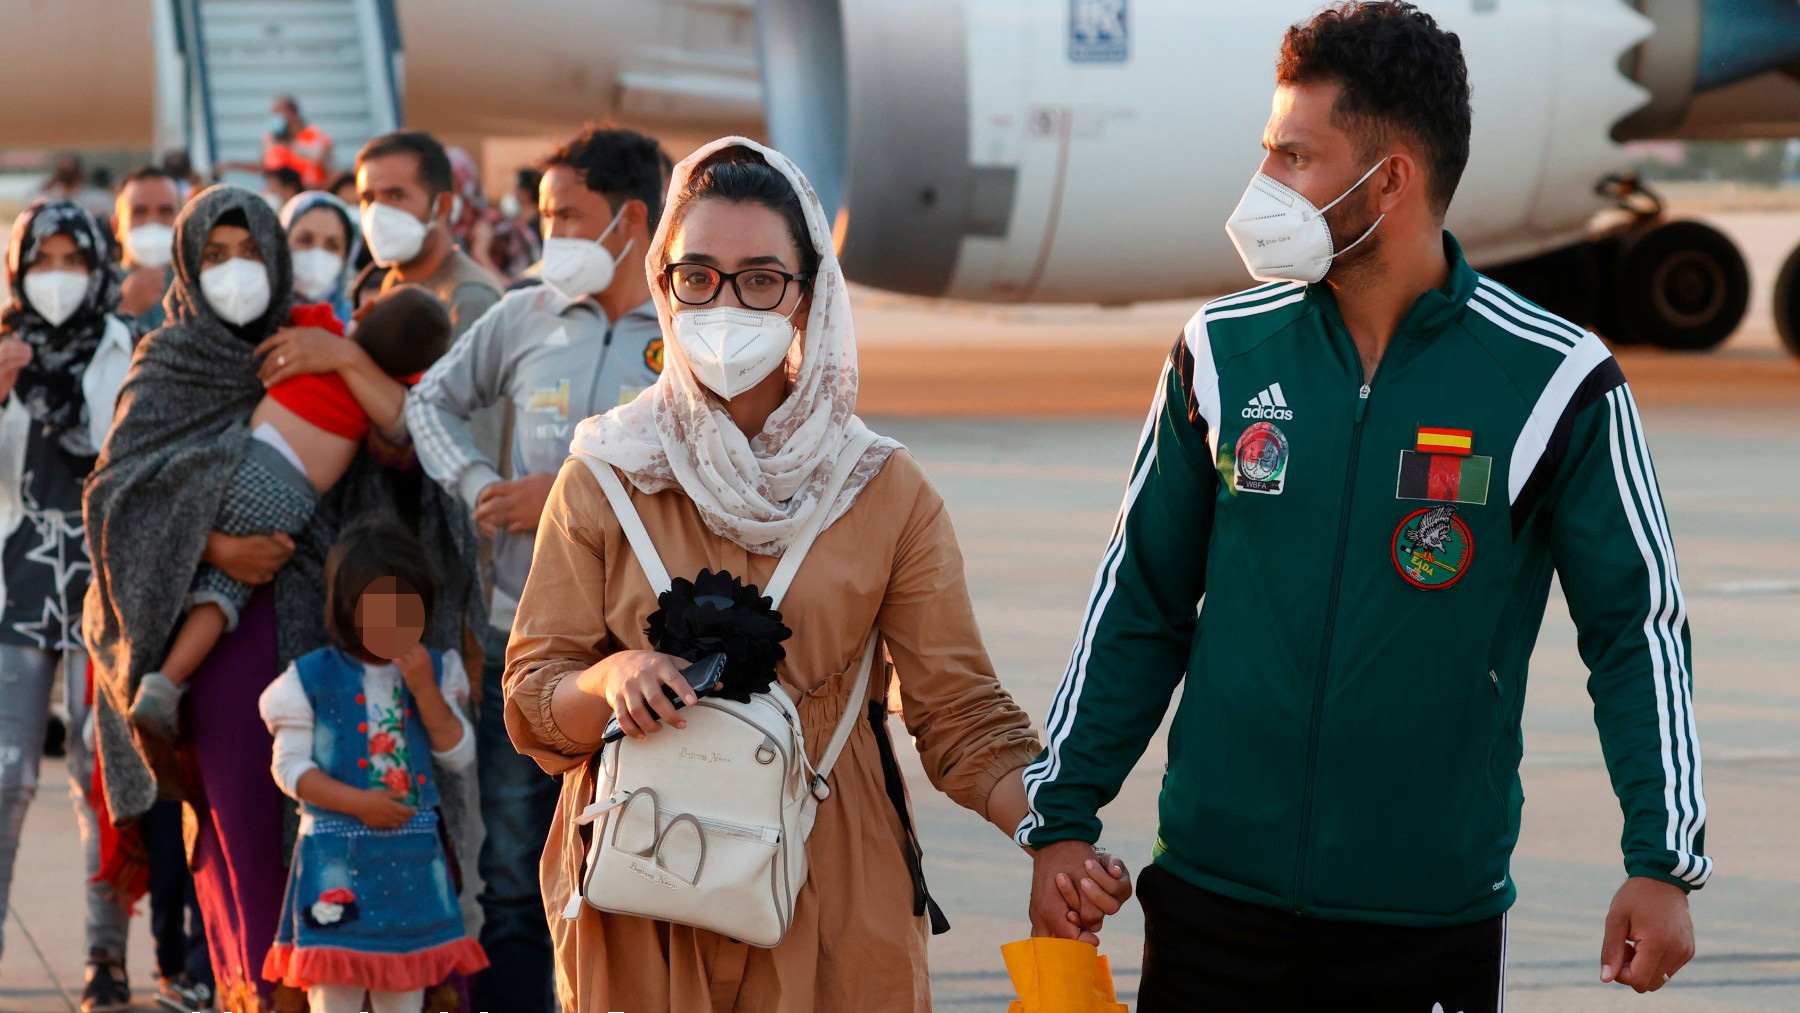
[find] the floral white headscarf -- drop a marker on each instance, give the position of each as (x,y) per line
(753,492)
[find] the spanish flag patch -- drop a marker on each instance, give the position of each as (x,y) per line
(1433,440)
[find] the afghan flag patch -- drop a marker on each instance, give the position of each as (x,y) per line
(1445,478)
(1433,440)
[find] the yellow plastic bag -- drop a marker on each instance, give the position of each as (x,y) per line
(1059,976)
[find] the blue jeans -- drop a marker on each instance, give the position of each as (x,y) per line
(518,801)
(25,679)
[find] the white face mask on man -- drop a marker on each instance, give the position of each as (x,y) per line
(580,267)
(237,290)
(732,350)
(151,245)
(393,235)
(56,295)
(1281,236)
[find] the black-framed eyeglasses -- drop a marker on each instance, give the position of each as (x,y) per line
(758,288)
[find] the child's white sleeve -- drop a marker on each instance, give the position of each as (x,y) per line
(289,715)
(453,680)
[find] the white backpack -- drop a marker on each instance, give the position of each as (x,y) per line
(707,825)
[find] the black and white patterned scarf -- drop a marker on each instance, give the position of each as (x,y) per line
(50,384)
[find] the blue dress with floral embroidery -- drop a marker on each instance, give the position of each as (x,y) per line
(369,907)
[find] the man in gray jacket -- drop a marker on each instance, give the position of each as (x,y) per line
(586,340)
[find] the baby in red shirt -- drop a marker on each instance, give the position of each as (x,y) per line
(304,435)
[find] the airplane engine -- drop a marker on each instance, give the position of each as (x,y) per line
(999,150)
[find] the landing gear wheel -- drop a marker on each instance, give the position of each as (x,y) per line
(1681,285)
(1787,302)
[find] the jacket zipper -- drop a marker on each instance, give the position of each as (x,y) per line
(1331,607)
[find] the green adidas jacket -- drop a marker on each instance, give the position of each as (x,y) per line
(1351,577)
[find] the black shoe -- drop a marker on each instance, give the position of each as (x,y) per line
(178,995)
(108,990)
(56,734)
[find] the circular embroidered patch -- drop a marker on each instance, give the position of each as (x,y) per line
(1261,459)
(653,355)
(1432,548)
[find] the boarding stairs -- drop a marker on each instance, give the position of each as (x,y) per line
(222,62)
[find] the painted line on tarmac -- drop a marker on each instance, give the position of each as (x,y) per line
(68,999)
(1742,587)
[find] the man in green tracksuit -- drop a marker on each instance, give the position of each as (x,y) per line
(1340,528)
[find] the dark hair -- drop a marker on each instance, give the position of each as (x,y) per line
(287,176)
(144,172)
(365,550)
(434,162)
(341,180)
(1401,74)
(405,331)
(528,178)
(288,101)
(620,165)
(743,176)
(177,163)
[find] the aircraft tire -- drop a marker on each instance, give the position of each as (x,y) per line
(1787,303)
(1682,286)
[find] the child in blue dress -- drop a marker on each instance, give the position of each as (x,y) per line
(370,905)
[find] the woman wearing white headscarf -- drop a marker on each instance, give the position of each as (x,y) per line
(723,459)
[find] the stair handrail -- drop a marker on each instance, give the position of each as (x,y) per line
(184,48)
(379,21)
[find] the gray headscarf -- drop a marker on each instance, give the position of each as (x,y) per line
(181,430)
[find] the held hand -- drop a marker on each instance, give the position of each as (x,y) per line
(1057,896)
(514,506)
(1649,934)
(297,351)
(14,356)
(1100,893)
(381,809)
(632,684)
(142,289)
(248,559)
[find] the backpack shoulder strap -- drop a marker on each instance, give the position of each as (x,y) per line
(853,709)
(847,460)
(635,533)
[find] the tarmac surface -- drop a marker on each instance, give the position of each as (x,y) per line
(1025,419)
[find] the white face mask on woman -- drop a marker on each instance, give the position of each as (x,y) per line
(237,290)
(1281,236)
(317,272)
(56,295)
(732,350)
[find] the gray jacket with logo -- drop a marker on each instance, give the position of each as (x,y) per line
(557,362)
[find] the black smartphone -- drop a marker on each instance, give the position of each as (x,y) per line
(702,676)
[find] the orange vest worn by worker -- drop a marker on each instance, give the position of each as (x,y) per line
(304,153)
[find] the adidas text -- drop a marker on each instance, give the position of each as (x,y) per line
(1269,404)
(1259,412)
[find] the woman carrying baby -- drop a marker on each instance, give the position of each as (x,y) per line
(153,509)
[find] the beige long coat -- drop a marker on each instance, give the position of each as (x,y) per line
(891,562)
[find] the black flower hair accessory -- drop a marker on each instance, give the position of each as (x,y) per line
(717,613)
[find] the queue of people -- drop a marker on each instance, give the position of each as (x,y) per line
(414,540)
